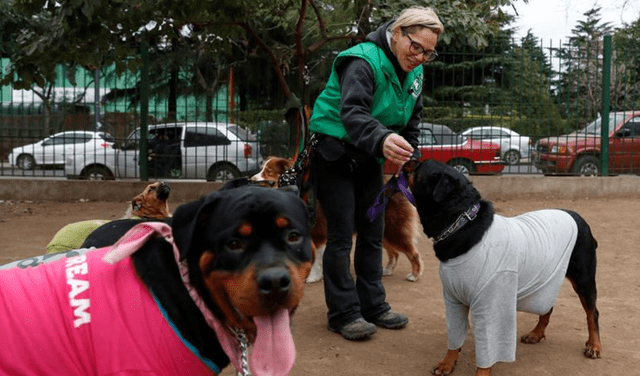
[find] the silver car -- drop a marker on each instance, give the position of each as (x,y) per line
(188,150)
(513,146)
(55,149)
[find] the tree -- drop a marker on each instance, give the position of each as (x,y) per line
(289,34)
(580,89)
(625,81)
(530,90)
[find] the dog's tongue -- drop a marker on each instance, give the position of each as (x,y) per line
(273,352)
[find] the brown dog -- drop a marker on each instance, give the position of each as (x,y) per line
(152,203)
(402,225)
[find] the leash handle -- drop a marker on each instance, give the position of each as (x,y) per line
(395,184)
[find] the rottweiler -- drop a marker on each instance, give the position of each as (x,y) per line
(493,266)
(166,300)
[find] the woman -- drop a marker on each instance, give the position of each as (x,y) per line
(369,111)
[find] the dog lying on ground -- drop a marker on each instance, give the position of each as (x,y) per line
(109,233)
(166,300)
(152,203)
(493,266)
(402,226)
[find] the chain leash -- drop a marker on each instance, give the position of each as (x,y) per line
(244,349)
(290,176)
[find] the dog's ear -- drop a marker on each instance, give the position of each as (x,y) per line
(136,203)
(188,219)
(410,167)
(445,186)
(283,164)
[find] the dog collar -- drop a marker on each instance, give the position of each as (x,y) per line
(467,216)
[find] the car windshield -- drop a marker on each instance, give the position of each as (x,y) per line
(242,133)
(445,136)
(596,126)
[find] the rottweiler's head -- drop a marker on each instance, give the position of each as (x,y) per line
(152,202)
(439,189)
(249,253)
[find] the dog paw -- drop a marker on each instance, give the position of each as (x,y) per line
(532,338)
(412,277)
(387,271)
(592,351)
(443,369)
(313,278)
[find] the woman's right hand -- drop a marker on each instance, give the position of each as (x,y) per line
(396,149)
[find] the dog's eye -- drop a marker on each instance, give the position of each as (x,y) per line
(294,237)
(235,245)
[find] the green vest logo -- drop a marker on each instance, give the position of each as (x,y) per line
(416,86)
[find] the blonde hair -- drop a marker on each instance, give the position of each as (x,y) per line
(418,17)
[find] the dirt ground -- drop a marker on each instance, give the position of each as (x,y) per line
(27,227)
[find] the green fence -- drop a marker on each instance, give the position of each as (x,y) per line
(535,109)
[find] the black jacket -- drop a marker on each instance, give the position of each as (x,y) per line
(357,88)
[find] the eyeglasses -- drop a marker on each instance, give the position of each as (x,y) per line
(417,49)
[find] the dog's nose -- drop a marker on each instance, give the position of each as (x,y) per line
(164,191)
(274,281)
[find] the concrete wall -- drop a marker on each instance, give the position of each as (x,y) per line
(491,187)
(73,190)
(515,186)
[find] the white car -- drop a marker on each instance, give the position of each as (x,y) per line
(185,150)
(54,150)
(513,146)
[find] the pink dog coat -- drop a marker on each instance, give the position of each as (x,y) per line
(83,316)
(63,315)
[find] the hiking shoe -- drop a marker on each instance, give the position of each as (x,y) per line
(356,329)
(391,320)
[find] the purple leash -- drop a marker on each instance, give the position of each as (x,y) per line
(395,184)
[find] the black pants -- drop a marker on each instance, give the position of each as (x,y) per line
(345,193)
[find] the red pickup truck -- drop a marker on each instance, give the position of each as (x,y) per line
(579,152)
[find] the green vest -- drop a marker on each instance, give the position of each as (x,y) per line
(393,103)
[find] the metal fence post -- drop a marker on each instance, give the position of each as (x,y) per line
(144,112)
(606,82)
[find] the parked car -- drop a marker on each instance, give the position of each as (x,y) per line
(579,152)
(440,143)
(189,150)
(53,150)
(513,146)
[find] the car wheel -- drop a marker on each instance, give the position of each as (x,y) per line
(512,157)
(26,162)
(462,165)
(96,173)
(587,165)
(223,172)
